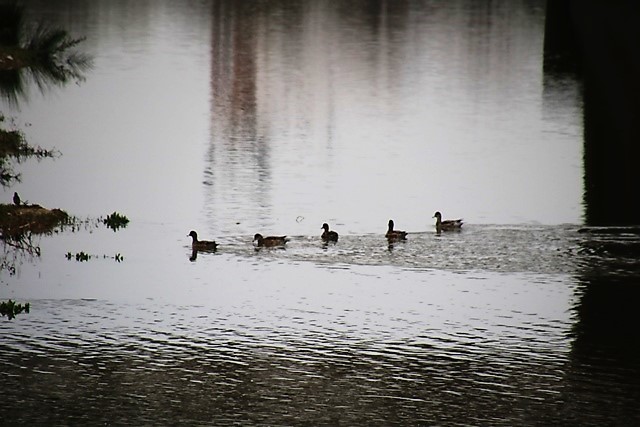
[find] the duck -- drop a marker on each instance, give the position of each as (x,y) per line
(447,224)
(201,245)
(16,198)
(328,236)
(270,241)
(395,234)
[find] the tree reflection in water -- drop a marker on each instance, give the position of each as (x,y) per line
(45,57)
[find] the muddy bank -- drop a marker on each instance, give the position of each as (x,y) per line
(16,220)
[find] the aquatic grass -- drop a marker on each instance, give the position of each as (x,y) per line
(82,256)
(115,221)
(11,309)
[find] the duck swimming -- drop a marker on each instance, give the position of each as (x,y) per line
(270,241)
(201,245)
(447,224)
(328,236)
(395,234)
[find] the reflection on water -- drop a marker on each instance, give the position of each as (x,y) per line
(374,107)
(45,54)
(497,248)
(605,349)
(275,117)
(365,352)
(494,324)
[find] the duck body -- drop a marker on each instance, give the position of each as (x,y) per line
(201,245)
(447,224)
(16,198)
(328,236)
(395,234)
(270,241)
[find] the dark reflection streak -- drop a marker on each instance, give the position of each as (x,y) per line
(194,253)
(606,337)
(236,143)
(597,43)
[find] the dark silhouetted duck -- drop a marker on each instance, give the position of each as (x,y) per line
(395,234)
(328,236)
(16,199)
(270,241)
(201,245)
(447,224)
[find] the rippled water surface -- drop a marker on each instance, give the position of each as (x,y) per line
(233,118)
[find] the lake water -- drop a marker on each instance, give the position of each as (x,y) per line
(233,118)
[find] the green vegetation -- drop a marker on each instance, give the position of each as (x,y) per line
(11,309)
(116,221)
(83,256)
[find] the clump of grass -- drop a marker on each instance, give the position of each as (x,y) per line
(11,309)
(83,256)
(79,256)
(115,221)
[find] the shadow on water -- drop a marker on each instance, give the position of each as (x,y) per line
(605,352)
(596,43)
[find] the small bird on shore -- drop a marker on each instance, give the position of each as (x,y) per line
(16,198)
(447,224)
(270,241)
(328,236)
(201,245)
(395,234)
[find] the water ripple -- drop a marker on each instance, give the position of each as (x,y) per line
(540,249)
(419,336)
